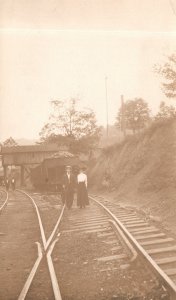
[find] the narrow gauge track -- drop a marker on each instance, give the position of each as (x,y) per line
(152,244)
(89,256)
(3,199)
(21,231)
(14,244)
(48,246)
(93,259)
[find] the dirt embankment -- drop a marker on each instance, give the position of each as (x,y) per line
(141,172)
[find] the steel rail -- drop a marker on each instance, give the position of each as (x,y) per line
(167,282)
(124,238)
(39,219)
(48,253)
(53,277)
(5,202)
(32,274)
(55,228)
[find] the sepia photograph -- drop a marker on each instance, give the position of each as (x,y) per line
(88,150)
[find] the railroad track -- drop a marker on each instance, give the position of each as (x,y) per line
(94,221)
(152,244)
(21,230)
(3,199)
(83,271)
(91,248)
(48,246)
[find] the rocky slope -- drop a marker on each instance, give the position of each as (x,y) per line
(141,172)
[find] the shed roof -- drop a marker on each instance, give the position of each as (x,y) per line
(61,161)
(33,148)
(61,154)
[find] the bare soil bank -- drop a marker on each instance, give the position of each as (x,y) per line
(141,172)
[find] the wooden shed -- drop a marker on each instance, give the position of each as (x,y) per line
(25,156)
(50,172)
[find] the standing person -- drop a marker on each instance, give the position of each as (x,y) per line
(82,195)
(7,184)
(13,183)
(68,184)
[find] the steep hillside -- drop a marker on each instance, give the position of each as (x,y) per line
(141,172)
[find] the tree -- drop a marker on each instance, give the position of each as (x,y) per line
(165,112)
(136,114)
(10,142)
(70,125)
(168,71)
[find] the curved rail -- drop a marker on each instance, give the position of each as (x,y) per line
(55,228)
(169,284)
(39,218)
(54,281)
(32,274)
(126,241)
(47,252)
(5,202)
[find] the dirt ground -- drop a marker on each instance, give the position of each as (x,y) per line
(81,277)
(78,274)
(19,232)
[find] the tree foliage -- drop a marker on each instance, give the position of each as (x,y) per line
(10,142)
(70,125)
(135,114)
(168,72)
(165,112)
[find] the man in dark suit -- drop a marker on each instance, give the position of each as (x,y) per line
(7,184)
(68,185)
(13,183)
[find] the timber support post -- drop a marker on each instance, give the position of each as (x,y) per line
(5,171)
(22,175)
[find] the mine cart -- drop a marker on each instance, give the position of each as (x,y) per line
(48,175)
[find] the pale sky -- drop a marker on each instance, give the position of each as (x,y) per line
(63,49)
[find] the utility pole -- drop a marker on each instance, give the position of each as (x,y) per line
(123,120)
(107,121)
